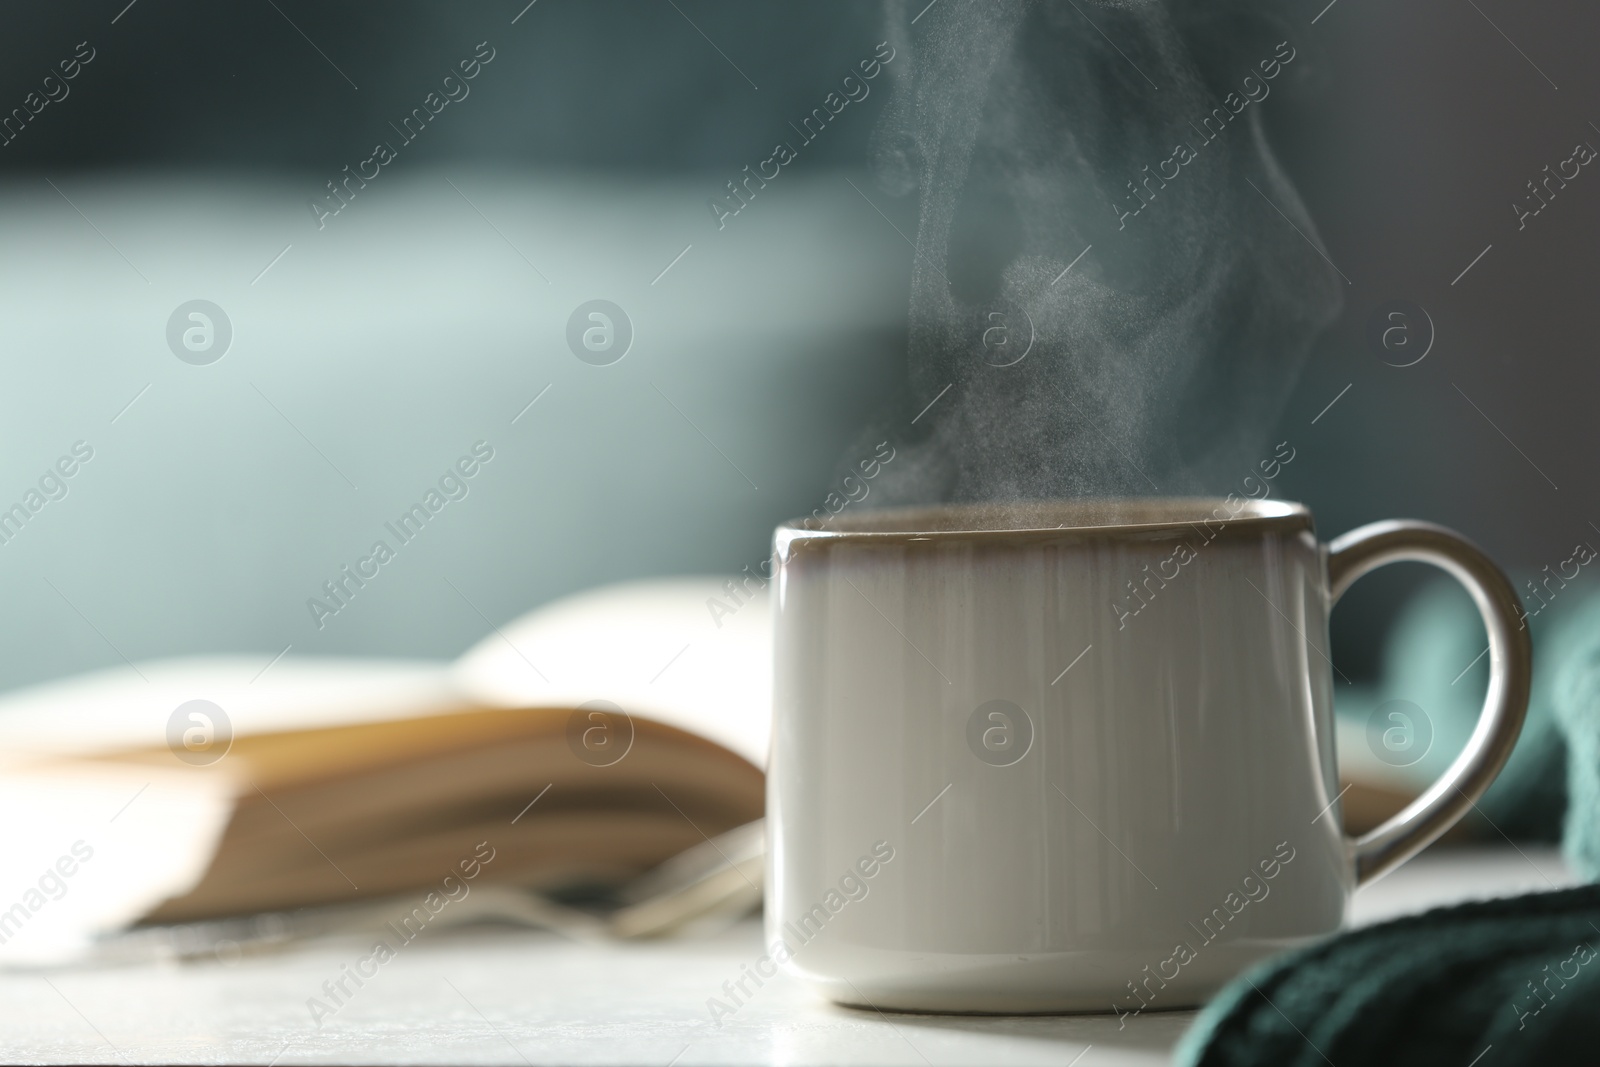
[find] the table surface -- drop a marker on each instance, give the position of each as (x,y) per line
(491,995)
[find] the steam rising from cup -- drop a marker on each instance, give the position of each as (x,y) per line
(1113,277)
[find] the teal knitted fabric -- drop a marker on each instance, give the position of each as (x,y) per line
(1577,710)
(1520,977)
(1487,983)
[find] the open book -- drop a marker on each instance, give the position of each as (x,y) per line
(579,746)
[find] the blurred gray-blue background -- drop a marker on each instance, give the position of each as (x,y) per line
(369,355)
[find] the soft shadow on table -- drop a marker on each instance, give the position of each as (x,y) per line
(1153,1031)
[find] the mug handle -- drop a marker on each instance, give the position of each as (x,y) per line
(1427,817)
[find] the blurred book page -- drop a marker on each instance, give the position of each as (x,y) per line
(689,652)
(124,708)
(91,849)
(95,844)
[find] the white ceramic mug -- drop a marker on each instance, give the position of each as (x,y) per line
(1079,756)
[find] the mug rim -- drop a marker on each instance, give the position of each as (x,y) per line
(1031,519)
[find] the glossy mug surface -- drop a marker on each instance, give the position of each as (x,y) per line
(1078,756)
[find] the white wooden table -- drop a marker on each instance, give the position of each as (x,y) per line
(498,996)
